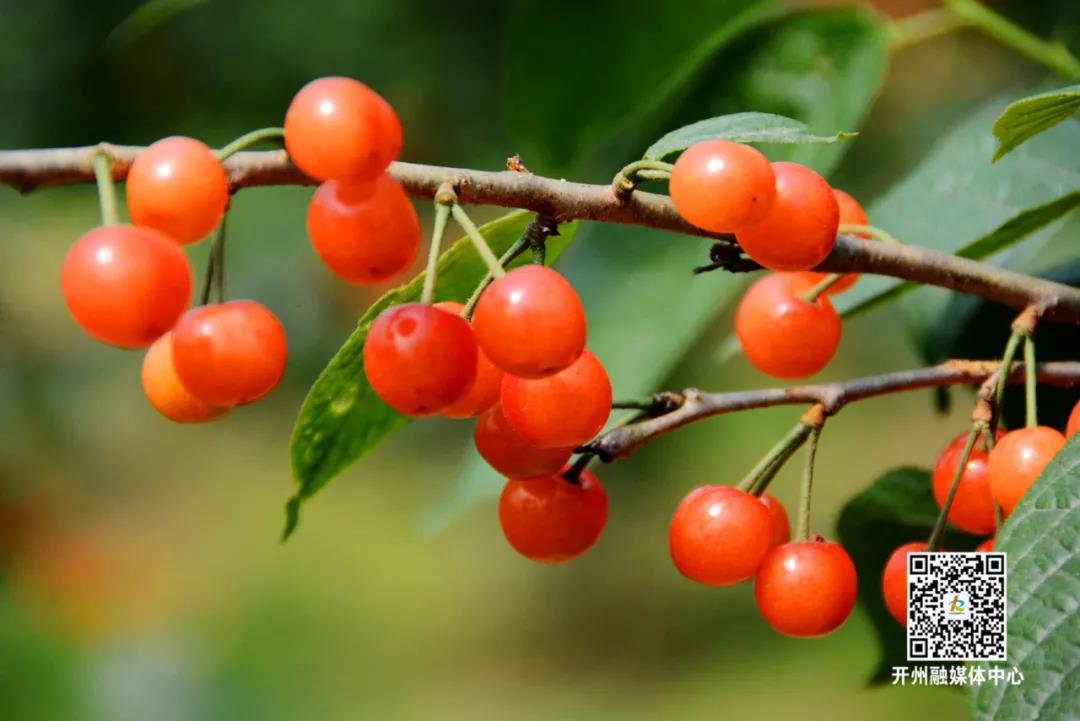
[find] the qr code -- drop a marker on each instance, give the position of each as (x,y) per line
(956,607)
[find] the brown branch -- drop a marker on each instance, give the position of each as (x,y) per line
(694,405)
(564,200)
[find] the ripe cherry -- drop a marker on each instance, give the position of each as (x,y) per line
(530,322)
(722,186)
(511,455)
(806,588)
(1074,421)
(1018,459)
(781,526)
(125,285)
(419,359)
(799,229)
(338,128)
(365,231)
(230,353)
(551,520)
(851,213)
(484,392)
(782,334)
(561,410)
(894,581)
(986,546)
(166,393)
(177,186)
(719,535)
(972,509)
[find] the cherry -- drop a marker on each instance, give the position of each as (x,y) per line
(799,228)
(484,392)
(986,546)
(561,410)
(806,588)
(1074,421)
(338,128)
(511,455)
(230,353)
(165,391)
(551,520)
(722,186)
(719,535)
(530,322)
(419,359)
(894,581)
(125,285)
(1018,459)
(782,334)
(365,231)
(972,509)
(851,213)
(177,186)
(781,526)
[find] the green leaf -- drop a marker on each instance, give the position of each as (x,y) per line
(342,419)
(739,128)
(1040,543)
(896,509)
(1026,118)
(145,19)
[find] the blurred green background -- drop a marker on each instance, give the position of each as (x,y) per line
(140,571)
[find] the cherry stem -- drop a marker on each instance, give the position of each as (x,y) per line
(478,241)
(247,140)
(873,231)
(520,246)
(573,473)
(827,282)
(442,214)
(1030,396)
(802,531)
(214,279)
(1006,367)
(627,180)
(759,476)
(939,525)
(988,445)
(103,167)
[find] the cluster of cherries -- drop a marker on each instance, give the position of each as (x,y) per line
(785,217)
(1001,476)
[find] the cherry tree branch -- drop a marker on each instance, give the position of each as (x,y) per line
(679,409)
(563,200)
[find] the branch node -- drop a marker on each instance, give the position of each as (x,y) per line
(1029,316)
(445,194)
(814,417)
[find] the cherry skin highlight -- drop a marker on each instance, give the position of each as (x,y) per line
(894,581)
(782,334)
(806,588)
(719,535)
(511,455)
(366,232)
(851,213)
(722,186)
(561,410)
(530,322)
(1018,459)
(420,359)
(781,526)
(799,229)
(484,392)
(972,509)
(125,285)
(178,186)
(230,353)
(166,393)
(551,520)
(338,128)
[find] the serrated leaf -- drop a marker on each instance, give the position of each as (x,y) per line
(740,128)
(1040,540)
(1024,119)
(897,508)
(342,419)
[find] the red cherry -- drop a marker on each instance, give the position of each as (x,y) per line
(511,455)
(972,509)
(851,213)
(419,359)
(722,186)
(782,334)
(230,353)
(365,231)
(986,546)
(561,410)
(125,285)
(530,322)
(806,588)
(1074,421)
(719,535)
(894,581)
(1018,459)
(781,526)
(166,393)
(551,520)
(484,392)
(799,229)
(177,186)
(338,128)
